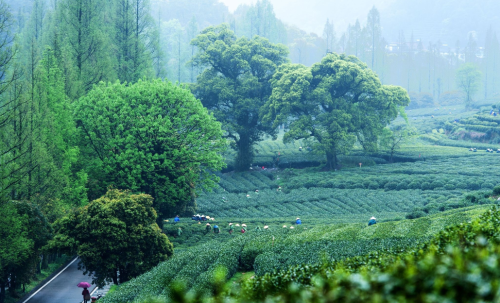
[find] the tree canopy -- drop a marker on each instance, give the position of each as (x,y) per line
(468,81)
(115,233)
(335,102)
(150,137)
(235,84)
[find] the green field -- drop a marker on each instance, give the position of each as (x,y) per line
(433,177)
(279,248)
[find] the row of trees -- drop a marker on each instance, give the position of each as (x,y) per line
(64,139)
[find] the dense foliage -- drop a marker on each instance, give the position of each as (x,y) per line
(336,102)
(235,84)
(116,233)
(151,137)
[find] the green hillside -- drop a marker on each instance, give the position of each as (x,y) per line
(280,248)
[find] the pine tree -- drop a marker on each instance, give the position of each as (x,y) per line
(329,36)
(133,28)
(374,32)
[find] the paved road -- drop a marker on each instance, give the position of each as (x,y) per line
(62,289)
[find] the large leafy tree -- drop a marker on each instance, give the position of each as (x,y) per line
(116,233)
(335,103)
(151,137)
(235,84)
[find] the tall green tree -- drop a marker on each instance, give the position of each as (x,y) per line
(151,137)
(39,232)
(133,33)
(374,31)
(334,103)
(15,247)
(468,79)
(116,233)
(87,57)
(235,85)
(12,111)
(329,36)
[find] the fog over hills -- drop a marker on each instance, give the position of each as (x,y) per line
(445,20)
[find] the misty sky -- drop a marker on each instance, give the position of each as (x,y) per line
(311,15)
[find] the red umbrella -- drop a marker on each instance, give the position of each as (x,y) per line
(84,285)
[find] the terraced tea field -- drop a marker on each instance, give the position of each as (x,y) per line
(266,251)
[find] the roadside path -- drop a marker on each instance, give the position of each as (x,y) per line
(62,287)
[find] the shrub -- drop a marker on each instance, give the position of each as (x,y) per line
(496,190)
(402,186)
(436,184)
(391,185)
(449,186)
(414,185)
(426,186)
(416,214)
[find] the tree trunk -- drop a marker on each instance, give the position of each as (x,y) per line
(331,161)
(45,261)
(2,291)
(244,158)
(115,277)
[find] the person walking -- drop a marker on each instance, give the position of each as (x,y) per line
(86,295)
(372,221)
(231,228)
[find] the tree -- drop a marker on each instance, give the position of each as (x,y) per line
(329,36)
(39,232)
(151,137)
(87,61)
(374,31)
(133,32)
(235,84)
(192,31)
(115,233)
(15,247)
(334,103)
(11,110)
(468,79)
(393,138)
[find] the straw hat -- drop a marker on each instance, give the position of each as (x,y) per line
(284,226)
(230,223)
(373,218)
(266,227)
(208,223)
(291,227)
(244,225)
(237,224)
(297,219)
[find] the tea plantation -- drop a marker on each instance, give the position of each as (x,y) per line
(434,179)
(279,248)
